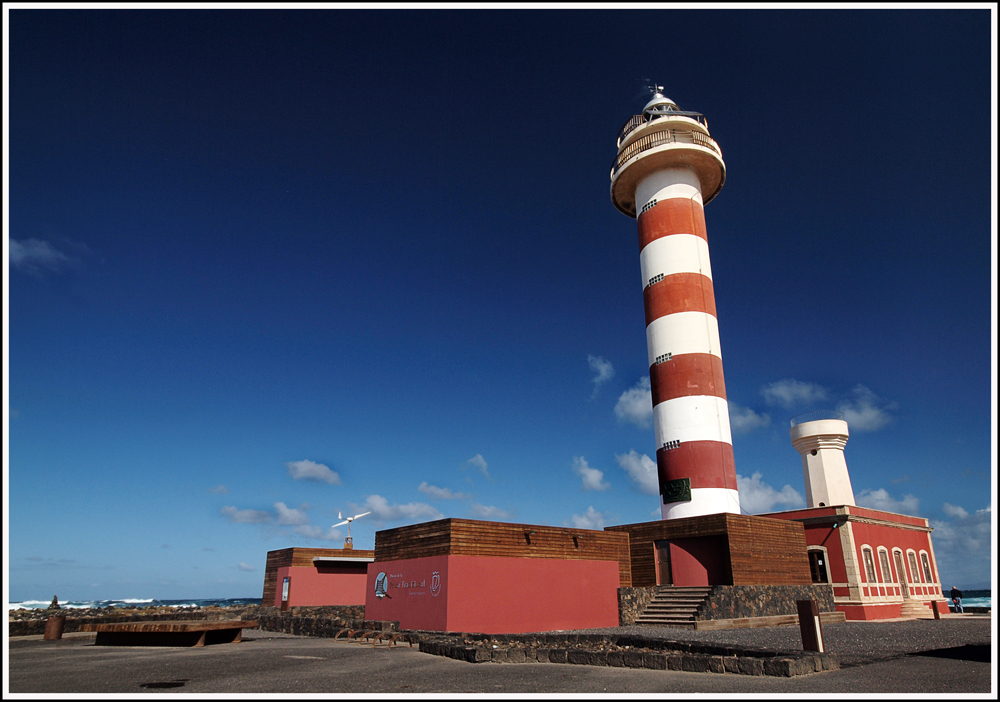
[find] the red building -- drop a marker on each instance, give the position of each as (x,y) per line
(881,565)
(495,578)
(315,577)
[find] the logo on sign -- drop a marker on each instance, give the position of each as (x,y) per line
(435,584)
(381,585)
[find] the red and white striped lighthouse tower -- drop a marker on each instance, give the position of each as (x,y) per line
(667,168)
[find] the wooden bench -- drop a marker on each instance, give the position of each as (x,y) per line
(177,633)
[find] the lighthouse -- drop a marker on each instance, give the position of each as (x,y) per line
(667,168)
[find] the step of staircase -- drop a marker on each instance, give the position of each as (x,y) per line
(674,606)
(914,608)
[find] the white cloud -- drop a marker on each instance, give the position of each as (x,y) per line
(311,531)
(307,470)
(964,548)
(867,411)
(789,393)
(604,370)
(881,499)
(954,511)
(641,470)
(757,497)
(246,516)
(413,511)
(439,493)
(246,566)
(636,404)
(744,420)
(219,489)
(289,516)
(593,479)
(489,512)
(34,255)
(591,519)
(479,462)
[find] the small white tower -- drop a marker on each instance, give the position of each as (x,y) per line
(820,438)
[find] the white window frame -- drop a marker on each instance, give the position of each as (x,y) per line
(915,564)
(826,562)
(921,555)
(870,578)
(888,562)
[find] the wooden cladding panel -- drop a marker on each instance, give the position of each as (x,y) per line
(768,552)
(466,537)
(762,551)
(416,541)
(303,557)
(298,557)
(275,560)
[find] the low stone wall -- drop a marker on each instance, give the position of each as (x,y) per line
(631,602)
(328,612)
(321,627)
(625,652)
(746,601)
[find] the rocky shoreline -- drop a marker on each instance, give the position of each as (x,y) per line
(28,622)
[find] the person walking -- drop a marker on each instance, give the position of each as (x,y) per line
(956,597)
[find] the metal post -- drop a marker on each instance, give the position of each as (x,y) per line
(812,632)
(54,627)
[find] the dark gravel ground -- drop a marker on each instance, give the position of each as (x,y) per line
(855,643)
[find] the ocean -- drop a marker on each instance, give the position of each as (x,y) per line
(975,598)
(93,604)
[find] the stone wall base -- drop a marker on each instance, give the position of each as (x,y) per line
(733,601)
(626,652)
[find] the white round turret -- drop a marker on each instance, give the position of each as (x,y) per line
(820,437)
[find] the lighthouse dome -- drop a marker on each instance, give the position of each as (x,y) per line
(660,104)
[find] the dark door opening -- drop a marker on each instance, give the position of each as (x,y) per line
(817,566)
(661,551)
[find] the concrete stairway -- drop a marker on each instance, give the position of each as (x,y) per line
(674,606)
(914,609)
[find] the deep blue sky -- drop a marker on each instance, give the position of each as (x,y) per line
(249,250)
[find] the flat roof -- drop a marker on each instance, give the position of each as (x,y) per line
(343,559)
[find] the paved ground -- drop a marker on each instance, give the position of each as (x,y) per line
(878,657)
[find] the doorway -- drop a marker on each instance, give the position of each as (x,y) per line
(661,554)
(901,574)
(817,566)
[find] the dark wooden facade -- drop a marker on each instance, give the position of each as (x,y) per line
(467,537)
(757,550)
(299,557)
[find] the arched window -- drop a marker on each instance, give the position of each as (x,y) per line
(866,552)
(926,563)
(911,558)
(883,559)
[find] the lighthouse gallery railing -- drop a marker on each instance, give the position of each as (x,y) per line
(667,136)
